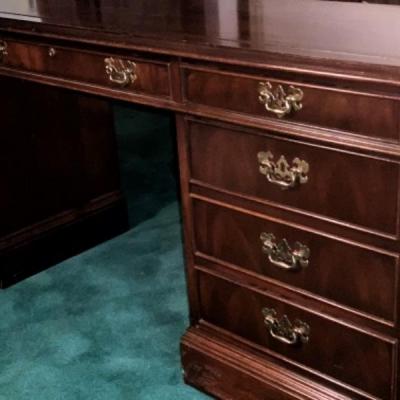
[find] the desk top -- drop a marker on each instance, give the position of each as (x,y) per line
(254,31)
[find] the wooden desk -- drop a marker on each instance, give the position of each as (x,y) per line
(287,115)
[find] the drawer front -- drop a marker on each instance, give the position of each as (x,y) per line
(343,186)
(351,275)
(325,107)
(357,358)
(126,73)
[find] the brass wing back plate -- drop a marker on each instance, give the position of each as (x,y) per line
(121,72)
(283,330)
(282,255)
(280,172)
(280,101)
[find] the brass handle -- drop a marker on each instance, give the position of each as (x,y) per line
(120,72)
(278,101)
(3,50)
(282,255)
(280,172)
(283,330)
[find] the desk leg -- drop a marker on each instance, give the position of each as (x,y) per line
(59,177)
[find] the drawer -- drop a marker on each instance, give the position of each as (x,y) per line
(300,336)
(328,183)
(127,73)
(349,274)
(322,106)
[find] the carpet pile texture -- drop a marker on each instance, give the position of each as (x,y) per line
(105,325)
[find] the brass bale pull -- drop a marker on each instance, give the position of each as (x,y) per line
(280,172)
(52,52)
(283,330)
(278,101)
(3,50)
(282,255)
(120,72)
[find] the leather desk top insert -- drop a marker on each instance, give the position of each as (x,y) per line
(287,117)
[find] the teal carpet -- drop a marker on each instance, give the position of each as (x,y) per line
(105,325)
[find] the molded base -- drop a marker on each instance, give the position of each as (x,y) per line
(228,372)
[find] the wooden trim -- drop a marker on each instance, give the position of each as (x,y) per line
(187,213)
(45,246)
(67,217)
(340,69)
(226,357)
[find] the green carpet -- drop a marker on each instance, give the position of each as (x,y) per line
(106,324)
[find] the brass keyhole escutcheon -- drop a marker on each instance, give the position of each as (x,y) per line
(52,52)
(3,50)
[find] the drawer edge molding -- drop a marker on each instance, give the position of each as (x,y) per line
(329,137)
(366,333)
(217,355)
(204,261)
(309,214)
(260,73)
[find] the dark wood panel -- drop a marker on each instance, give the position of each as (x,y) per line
(331,348)
(57,180)
(324,107)
(98,146)
(66,235)
(15,158)
(343,186)
(58,162)
(352,275)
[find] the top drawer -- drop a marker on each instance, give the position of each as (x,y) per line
(128,73)
(326,107)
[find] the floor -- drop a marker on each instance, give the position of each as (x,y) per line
(106,324)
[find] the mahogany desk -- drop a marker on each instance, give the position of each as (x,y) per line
(287,116)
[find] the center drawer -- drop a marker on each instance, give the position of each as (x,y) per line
(342,186)
(350,274)
(302,337)
(138,75)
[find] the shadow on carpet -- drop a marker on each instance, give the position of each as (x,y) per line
(103,325)
(106,325)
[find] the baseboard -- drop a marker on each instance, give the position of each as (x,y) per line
(41,246)
(228,372)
